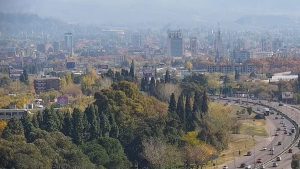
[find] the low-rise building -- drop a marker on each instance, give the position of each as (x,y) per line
(47,84)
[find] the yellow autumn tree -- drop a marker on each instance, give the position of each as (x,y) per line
(196,151)
(3,124)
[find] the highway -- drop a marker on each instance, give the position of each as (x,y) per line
(275,121)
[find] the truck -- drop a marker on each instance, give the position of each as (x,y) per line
(266,111)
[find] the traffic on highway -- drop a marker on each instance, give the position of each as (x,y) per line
(277,150)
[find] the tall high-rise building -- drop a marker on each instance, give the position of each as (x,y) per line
(194,45)
(69,43)
(175,43)
(56,46)
(277,44)
(136,40)
(218,45)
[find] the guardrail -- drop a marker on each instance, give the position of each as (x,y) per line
(294,142)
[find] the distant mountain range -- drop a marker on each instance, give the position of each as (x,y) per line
(268,21)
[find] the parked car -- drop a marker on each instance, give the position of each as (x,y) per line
(290,150)
(278,158)
(275,164)
(248,167)
(279,143)
(243,165)
(225,167)
(276,134)
(259,161)
(249,153)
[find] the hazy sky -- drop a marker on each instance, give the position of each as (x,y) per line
(147,11)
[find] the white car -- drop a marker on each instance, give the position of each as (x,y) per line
(225,167)
(264,148)
(248,167)
(275,164)
(262,167)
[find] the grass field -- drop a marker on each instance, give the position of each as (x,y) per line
(253,128)
(239,142)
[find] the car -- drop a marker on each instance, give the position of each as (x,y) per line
(264,148)
(282,117)
(285,132)
(290,133)
(290,150)
(284,125)
(276,134)
(249,153)
(280,104)
(278,158)
(279,143)
(225,167)
(275,164)
(259,161)
(262,167)
(272,149)
(248,167)
(243,165)
(277,113)
(281,122)
(276,118)
(278,129)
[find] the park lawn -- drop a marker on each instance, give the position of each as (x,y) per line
(253,128)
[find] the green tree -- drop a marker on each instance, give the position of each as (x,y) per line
(114,132)
(167,76)
(144,84)
(104,124)
(190,118)
(24,77)
(67,124)
(14,127)
(197,102)
(132,70)
(94,126)
(152,87)
(78,128)
(249,110)
(27,125)
(172,104)
(204,107)
(50,120)
(96,153)
(237,75)
(180,109)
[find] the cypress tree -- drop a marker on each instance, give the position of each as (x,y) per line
(24,77)
(237,75)
(172,104)
(27,125)
(91,115)
(197,102)
(131,72)
(67,124)
(144,84)
(167,77)
(50,120)
(78,128)
(35,121)
(180,109)
(189,119)
(104,125)
(204,107)
(152,86)
(114,132)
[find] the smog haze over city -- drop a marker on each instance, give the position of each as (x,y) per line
(149,84)
(162,12)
